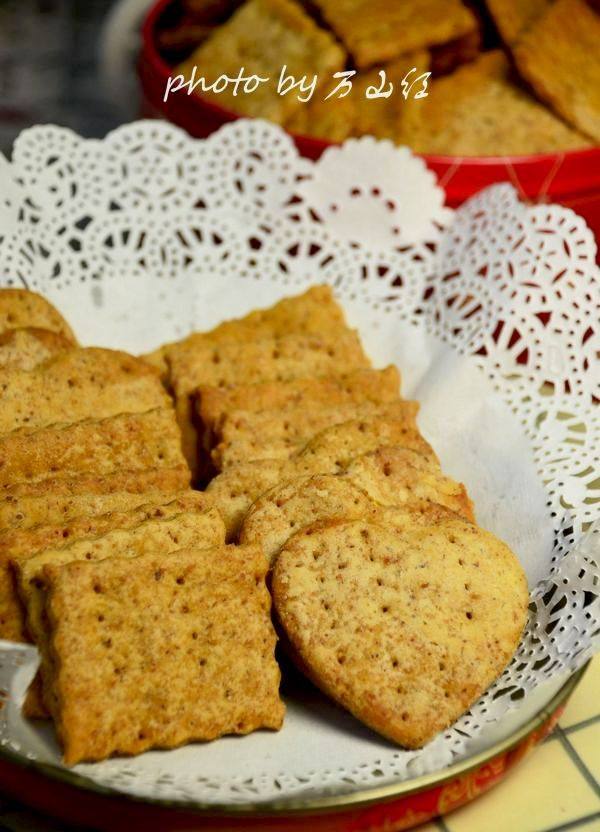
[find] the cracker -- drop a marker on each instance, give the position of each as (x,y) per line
(332,449)
(269,359)
(83,383)
(312,312)
(376,31)
(22,308)
(385,477)
(235,489)
(23,543)
(21,513)
(52,492)
(315,311)
(460,115)
(131,441)
(289,507)
(336,119)
(277,434)
(329,452)
(560,58)
(185,529)
(404,629)
(383,117)
(392,475)
(161,651)
(262,37)
(214,403)
(513,17)
(24,349)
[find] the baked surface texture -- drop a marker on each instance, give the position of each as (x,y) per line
(183,642)
(405,627)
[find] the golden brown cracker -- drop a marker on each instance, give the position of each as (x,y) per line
(53,491)
(25,348)
(386,477)
(270,359)
(184,529)
(263,36)
(377,31)
(214,403)
(236,488)
(393,475)
(358,114)
(405,629)
(332,449)
(461,115)
(130,441)
(79,384)
(291,506)
(559,56)
(329,452)
(313,312)
(24,543)
(161,651)
(513,17)
(23,308)
(278,434)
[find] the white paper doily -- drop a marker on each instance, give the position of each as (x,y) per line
(491,311)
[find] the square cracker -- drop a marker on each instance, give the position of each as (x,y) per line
(356,115)
(513,17)
(277,434)
(160,651)
(269,359)
(21,308)
(480,111)
(311,312)
(35,501)
(263,36)
(560,57)
(156,534)
(214,403)
(15,543)
(129,441)
(376,31)
(79,384)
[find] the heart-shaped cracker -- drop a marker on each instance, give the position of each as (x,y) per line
(405,625)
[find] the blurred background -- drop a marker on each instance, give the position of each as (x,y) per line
(49,67)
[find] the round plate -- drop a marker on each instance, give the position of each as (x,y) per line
(76,799)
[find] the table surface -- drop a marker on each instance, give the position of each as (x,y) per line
(48,73)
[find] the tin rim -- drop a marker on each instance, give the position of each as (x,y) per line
(299,805)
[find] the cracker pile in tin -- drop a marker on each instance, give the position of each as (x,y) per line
(500,77)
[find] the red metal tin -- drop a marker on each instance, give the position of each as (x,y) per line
(571,178)
(72,798)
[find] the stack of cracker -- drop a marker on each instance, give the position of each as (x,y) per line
(320,463)
(316,472)
(442,76)
(93,483)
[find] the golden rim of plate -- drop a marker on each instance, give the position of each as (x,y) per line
(299,805)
